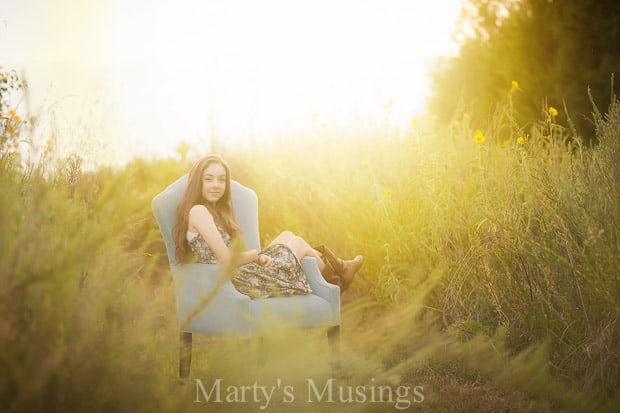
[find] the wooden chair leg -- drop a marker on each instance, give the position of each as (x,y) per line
(185,354)
(333,339)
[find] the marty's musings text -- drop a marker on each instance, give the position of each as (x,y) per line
(328,391)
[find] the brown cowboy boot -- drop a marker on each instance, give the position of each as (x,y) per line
(345,269)
(329,274)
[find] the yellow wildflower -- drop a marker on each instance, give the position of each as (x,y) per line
(515,85)
(16,118)
(521,140)
(553,111)
(505,142)
(11,112)
(465,115)
(5,79)
(388,193)
(479,137)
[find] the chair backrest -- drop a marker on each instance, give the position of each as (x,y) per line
(245,206)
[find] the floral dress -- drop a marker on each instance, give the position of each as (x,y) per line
(283,277)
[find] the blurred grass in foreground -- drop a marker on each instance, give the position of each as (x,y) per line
(490,279)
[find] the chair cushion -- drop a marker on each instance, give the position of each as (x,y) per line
(299,310)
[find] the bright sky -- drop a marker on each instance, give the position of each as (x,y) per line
(127,78)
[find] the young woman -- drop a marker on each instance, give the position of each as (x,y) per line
(205,230)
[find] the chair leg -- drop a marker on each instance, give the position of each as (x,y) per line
(185,354)
(333,339)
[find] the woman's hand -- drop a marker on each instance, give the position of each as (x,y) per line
(250,256)
(264,260)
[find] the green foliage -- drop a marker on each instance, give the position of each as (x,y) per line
(554,50)
(543,257)
(490,261)
(72,300)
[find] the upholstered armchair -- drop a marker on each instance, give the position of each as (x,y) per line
(208,303)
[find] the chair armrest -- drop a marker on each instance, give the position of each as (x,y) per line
(320,287)
(208,304)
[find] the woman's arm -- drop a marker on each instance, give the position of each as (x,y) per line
(201,221)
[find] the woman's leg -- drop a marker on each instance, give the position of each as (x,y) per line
(299,247)
(282,238)
(334,269)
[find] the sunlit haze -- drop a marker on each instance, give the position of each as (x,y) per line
(125,78)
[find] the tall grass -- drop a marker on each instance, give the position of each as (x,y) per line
(72,300)
(522,227)
(491,264)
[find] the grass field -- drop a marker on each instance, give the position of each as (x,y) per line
(491,276)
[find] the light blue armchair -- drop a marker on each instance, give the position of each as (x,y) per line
(208,304)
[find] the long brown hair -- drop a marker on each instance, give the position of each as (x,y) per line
(222,210)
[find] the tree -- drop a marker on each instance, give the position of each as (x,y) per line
(555,50)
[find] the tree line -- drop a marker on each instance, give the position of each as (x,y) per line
(536,54)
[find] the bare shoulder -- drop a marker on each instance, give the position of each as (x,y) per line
(199,211)
(201,220)
(199,208)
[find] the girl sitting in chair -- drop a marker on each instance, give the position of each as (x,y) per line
(205,227)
